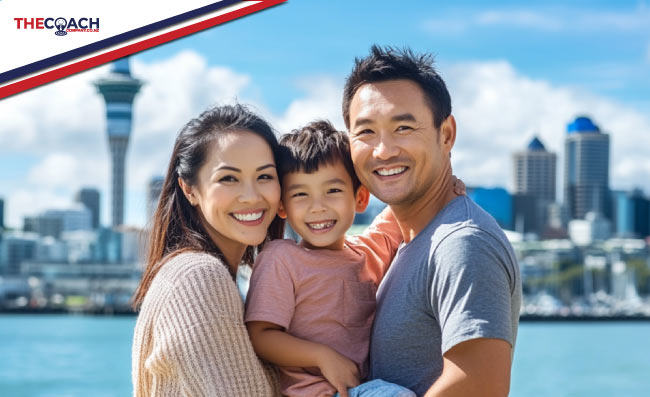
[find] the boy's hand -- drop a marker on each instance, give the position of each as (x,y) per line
(459,186)
(340,371)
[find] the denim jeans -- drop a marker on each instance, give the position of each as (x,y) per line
(379,388)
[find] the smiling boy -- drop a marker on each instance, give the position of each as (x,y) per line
(311,305)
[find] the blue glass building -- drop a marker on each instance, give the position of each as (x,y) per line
(2,214)
(586,171)
(631,214)
(496,201)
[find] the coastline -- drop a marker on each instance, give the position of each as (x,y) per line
(525,318)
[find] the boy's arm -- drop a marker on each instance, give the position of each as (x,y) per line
(379,241)
(273,344)
(382,238)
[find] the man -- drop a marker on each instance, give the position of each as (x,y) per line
(448,308)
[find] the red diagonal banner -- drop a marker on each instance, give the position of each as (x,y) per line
(85,64)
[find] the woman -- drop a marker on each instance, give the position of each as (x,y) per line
(217,207)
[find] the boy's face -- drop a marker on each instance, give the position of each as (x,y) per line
(320,206)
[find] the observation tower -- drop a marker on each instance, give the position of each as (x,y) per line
(118,89)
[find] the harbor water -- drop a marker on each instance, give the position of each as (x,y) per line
(62,355)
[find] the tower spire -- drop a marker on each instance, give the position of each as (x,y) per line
(119,89)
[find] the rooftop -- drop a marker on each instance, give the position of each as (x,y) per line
(582,124)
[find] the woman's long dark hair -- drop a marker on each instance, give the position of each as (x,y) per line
(176,225)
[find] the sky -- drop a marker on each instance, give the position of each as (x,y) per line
(514,70)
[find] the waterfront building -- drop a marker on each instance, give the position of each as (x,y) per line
(56,221)
(50,249)
(631,214)
(534,173)
(15,248)
(109,245)
(77,217)
(118,89)
(133,244)
(557,221)
(81,246)
(544,262)
(496,201)
(2,214)
(525,213)
(43,225)
(89,197)
(154,190)
(586,169)
(595,227)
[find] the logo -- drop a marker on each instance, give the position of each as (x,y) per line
(60,24)
(63,26)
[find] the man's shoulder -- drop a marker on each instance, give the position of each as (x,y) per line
(463,219)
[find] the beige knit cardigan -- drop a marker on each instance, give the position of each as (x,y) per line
(190,338)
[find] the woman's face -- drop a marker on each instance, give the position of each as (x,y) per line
(237,190)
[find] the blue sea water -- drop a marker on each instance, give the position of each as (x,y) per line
(63,356)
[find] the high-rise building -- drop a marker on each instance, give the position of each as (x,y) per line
(55,222)
(2,214)
(89,197)
(586,169)
(534,171)
(118,89)
(153,194)
(15,248)
(525,214)
(631,214)
(534,181)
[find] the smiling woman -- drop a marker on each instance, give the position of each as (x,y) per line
(218,206)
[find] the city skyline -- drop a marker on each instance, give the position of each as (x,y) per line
(513,73)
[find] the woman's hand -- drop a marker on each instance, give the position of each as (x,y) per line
(340,371)
(459,186)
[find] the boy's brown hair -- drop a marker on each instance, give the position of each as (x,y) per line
(316,144)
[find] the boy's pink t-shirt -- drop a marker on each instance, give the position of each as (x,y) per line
(324,296)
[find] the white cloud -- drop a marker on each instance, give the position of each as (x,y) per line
(544,19)
(54,171)
(322,100)
(62,126)
(58,116)
(497,109)
(519,18)
(30,201)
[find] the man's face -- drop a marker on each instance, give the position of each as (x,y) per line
(395,147)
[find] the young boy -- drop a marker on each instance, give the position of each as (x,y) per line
(310,306)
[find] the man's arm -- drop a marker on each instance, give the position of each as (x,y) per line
(472,297)
(273,344)
(477,367)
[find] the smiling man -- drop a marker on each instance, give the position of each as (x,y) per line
(448,308)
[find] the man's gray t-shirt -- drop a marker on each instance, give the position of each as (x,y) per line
(457,280)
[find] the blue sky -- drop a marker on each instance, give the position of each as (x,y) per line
(514,69)
(601,46)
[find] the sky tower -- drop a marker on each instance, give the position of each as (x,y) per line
(118,89)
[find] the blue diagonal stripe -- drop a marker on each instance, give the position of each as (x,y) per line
(111,41)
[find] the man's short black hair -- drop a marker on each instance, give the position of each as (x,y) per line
(317,143)
(388,63)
